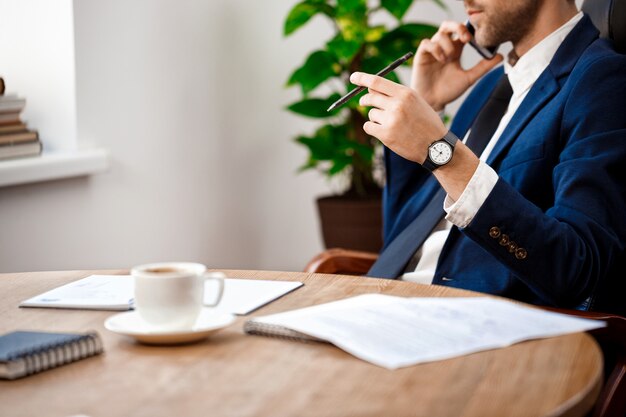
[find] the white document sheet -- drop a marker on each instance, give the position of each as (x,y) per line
(242,296)
(115,292)
(96,292)
(395,332)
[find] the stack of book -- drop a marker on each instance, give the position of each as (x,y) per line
(16,140)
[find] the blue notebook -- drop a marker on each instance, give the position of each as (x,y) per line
(24,353)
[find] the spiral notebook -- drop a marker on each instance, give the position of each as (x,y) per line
(24,353)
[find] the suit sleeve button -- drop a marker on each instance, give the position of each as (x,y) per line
(512,246)
(521,253)
(494,232)
(504,240)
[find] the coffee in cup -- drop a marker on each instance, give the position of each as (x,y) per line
(170,295)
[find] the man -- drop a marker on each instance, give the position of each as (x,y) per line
(535,201)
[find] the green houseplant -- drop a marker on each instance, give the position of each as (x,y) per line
(340,146)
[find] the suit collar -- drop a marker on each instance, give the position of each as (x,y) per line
(529,66)
(547,85)
(583,34)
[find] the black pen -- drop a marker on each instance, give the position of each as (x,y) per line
(395,64)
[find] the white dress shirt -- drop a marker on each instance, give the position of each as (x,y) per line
(522,76)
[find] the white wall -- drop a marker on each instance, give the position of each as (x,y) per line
(188,96)
(37,62)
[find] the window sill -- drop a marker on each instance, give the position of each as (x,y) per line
(53,165)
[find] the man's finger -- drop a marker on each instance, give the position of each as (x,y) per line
(482,68)
(455,29)
(373,129)
(375,115)
(449,47)
(374,99)
(433,49)
(375,83)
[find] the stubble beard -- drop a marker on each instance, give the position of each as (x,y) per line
(507,21)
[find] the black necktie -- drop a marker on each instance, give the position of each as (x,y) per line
(392,261)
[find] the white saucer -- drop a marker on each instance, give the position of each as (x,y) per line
(130,324)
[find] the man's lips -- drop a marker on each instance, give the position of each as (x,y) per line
(473,11)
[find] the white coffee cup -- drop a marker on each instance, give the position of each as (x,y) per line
(170,295)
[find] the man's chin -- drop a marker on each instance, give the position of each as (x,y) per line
(485,43)
(483,39)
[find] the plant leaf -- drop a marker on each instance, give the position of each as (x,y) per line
(396,7)
(342,48)
(441,4)
(374,34)
(366,152)
(353,7)
(403,39)
(315,107)
(302,12)
(298,16)
(318,67)
(351,19)
(324,143)
(352,29)
(310,164)
(335,144)
(320,150)
(339,164)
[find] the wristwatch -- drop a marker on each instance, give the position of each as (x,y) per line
(440,151)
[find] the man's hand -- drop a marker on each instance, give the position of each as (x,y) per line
(400,118)
(437,73)
(406,124)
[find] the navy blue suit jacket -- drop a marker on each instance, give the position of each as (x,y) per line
(561,189)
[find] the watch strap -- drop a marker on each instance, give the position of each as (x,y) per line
(429,165)
(451,138)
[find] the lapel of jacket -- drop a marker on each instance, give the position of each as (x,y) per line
(547,85)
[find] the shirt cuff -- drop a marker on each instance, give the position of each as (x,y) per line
(462,212)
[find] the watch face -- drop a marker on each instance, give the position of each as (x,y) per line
(440,152)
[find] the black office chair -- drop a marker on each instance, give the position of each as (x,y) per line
(609,16)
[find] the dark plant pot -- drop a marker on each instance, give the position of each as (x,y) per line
(351,223)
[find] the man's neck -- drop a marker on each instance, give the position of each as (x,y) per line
(550,17)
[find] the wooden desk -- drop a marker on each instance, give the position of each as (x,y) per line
(232,374)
